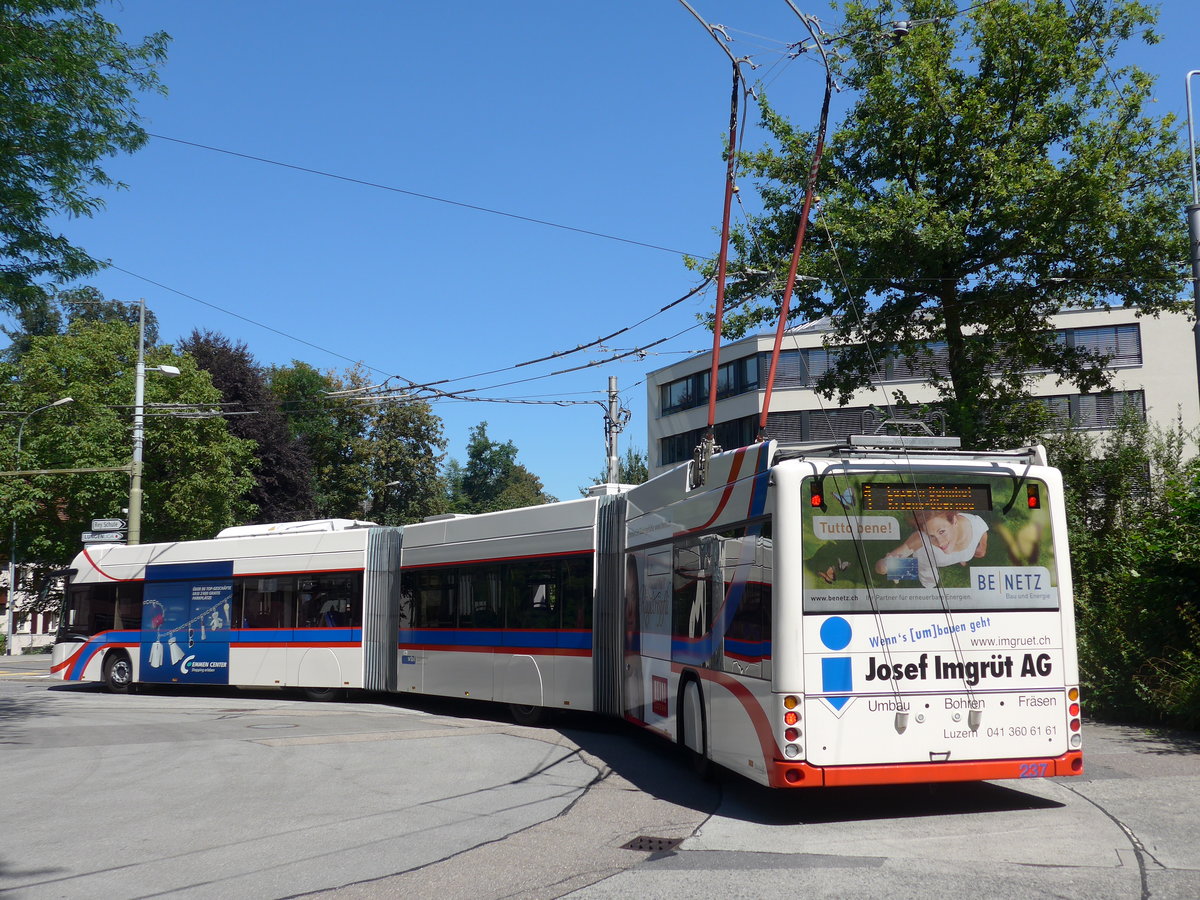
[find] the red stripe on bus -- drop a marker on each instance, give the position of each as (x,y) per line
(807,775)
(523,651)
(730,484)
(758,716)
(96,566)
(68,661)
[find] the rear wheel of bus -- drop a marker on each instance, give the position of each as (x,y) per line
(118,672)
(693,730)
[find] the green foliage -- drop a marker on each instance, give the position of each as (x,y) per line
(368,459)
(67,101)
(996,168)
(282,491)
(1133,511)
(194,470)
(404,445)
(492,479)
(632,468)
(332,430)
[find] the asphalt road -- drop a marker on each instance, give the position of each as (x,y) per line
(230,793)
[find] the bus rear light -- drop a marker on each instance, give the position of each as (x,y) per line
(1074,724)
(791,734)
(793,776)
(791,751)
(1073,693)
(1076,741)
(791,718)
(791,702)
(1073,709)
(1033,496)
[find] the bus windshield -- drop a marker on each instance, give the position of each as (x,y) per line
(933,541)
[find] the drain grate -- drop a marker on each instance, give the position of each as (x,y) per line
(644,844)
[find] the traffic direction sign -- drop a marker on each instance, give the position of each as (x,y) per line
(108,524)
(105,537)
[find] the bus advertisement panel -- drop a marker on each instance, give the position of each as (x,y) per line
(186,615)
(932,619)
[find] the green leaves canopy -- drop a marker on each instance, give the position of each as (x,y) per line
(67,92)
(194,470)
(996,167)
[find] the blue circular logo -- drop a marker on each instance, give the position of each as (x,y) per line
(835,633)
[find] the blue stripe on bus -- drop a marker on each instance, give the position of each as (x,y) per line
(294,635)
(182,571)
(499,638)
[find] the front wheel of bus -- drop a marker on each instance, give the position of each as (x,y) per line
(118,673)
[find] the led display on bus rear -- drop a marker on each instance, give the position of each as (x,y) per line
(907,497)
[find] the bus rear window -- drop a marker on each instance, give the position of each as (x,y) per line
(882,542)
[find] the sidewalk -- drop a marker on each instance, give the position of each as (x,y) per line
(30,665)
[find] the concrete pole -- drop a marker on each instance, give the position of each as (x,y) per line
(139,400)
(611,430)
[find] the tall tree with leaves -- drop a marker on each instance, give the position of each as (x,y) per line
(68,86)
(283,476)
(404,450)
(332,430)
(492,479)
(195,471)
(997,167)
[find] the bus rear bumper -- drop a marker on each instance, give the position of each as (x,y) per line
(787,774)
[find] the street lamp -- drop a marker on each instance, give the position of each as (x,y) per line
(12,547)
(139,413)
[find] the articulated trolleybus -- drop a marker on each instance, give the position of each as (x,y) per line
(857,614)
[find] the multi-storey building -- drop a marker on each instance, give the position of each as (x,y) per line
(1152,361)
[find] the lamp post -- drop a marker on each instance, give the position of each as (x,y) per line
(139,414)
(12,547)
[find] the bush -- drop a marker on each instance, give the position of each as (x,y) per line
(1133,512)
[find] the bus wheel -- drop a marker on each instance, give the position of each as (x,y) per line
(532,716)
(118,673)
(323,695)
(693,735)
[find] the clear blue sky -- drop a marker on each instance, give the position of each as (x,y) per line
(606,117)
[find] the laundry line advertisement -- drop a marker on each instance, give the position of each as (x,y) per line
(186,616)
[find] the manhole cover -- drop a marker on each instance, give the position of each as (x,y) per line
(644,844)
(273,725)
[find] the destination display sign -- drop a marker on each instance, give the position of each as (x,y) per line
(904,497)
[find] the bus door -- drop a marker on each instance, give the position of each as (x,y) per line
(186,612)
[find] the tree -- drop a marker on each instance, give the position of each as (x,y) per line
(996,168)
(67,101)
(403,452)
(632,468)
(80,304)
(1133,512)
(195,471)
(331,429)
(283,477)
(492,479)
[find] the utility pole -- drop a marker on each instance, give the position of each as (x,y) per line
(615,420)
(139,413)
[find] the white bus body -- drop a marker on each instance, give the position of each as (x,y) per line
(805,619)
